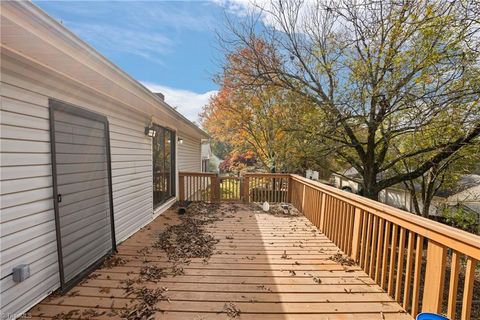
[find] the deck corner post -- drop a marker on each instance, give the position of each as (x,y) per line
(181,187)
(246,189)
(356,234)
(215,181)
(303,198)
(434,277)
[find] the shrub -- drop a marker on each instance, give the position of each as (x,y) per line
(461,218)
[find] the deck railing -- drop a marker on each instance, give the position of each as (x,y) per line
(407,255)
(250,187)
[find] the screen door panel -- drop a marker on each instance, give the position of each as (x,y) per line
(82,187)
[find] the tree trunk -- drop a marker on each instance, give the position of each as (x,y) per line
(370,190)
(371,193)
(426,207)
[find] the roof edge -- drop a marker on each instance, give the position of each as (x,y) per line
(71,37)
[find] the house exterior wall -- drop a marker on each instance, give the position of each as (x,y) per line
(27,225)
(189,160)
(189,154)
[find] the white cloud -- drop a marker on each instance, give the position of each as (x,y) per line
(149,45)
(265,8)
(188,103)
(237,7)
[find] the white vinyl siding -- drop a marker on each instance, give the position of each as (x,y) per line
(189,160)
(27,216)
(40,59)
(189,154)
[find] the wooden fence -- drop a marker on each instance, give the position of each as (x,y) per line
(414,259)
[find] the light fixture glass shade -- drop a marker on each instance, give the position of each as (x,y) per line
(150,131)
(180,140)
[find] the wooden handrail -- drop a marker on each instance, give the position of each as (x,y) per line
(267,175)
(454,238)
(197,174)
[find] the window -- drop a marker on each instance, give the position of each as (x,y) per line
(163,165)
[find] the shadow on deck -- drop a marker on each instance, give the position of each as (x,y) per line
(263,267)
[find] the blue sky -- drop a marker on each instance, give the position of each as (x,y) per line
(169,46)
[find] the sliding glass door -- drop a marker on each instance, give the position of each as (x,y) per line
(163,165)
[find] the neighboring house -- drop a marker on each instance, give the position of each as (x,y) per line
(466,193)
(79,173)
(206,155)
(210,161)
(397,197)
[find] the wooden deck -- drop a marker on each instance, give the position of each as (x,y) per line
(264,266)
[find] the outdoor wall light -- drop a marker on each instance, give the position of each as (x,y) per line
(150,131)
(180,140)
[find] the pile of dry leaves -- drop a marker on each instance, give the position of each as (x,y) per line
(186,240)
(189,239)
(147,305)
(342,259)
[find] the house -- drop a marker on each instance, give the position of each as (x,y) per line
(88,156)
(396,196)
(466,193)
(206,155)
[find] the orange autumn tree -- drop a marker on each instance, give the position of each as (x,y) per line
(258,119)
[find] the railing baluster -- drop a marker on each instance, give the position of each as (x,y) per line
(381,229)
(366,265)
(408,270)
(333,212)
(391,269)
(327,216)
(373,247)
(400,261)
(337,220)
(341,226)
(386,241)
(468,288)
(363,247)
(345,228)
(322,212)
(417,275)
(452,290)
(351,218)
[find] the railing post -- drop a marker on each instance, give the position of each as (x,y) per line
(289,189)
(434,277)
(303,198)
(215,181)
(246,189)
(181,187)
(356,234)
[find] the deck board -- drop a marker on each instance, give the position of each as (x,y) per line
(249,269)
